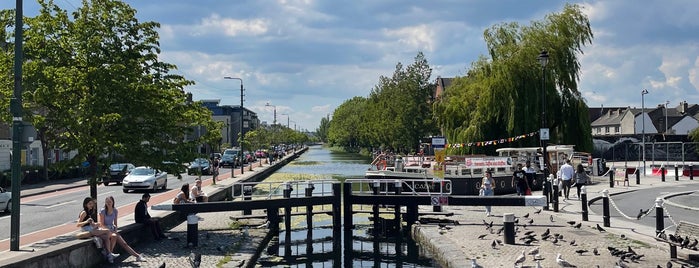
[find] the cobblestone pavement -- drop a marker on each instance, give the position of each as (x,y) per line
(456,245)
(222,243)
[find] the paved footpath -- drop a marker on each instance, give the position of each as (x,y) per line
(459,244)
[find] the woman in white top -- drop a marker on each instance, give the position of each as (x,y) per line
(197,194)
(487,187)
(183,195)
(108,219)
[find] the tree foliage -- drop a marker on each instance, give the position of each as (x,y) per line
(93,83)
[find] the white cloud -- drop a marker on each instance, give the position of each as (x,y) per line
(420,37)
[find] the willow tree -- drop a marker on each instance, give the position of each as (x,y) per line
(501,95)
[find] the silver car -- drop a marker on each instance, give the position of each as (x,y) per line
(145,178)
(5,200)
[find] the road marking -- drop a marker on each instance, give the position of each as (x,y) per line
(60,204)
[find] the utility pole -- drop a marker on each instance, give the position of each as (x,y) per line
(16,109)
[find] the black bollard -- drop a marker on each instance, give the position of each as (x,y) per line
(583,202)
(611,177)
(309,209)
(547,192)
(605,208)
(691,172)
(677,174)
(247,195)
(626,172)
(192,230)
(438,207)
(375,209)
(555,195)
(662,173)
(509,222)
(638,176)
(659,216)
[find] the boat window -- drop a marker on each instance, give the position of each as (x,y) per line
(465,171)
(447,172)
(501,170)
(477,171)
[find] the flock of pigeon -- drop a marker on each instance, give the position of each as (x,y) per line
(531,238)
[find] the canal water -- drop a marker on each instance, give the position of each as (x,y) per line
(316,247)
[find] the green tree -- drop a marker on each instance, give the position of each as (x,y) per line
(500,96)
(322,130)
(343,129)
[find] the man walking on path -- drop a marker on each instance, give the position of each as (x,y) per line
(567,173)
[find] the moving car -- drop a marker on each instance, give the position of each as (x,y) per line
(117,172)
(5,200)
(145,178)
(199,165)
(228,160)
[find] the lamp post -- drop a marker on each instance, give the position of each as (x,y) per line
(275,113)
(242,130)
(287,120)
(544,130)
(643,127)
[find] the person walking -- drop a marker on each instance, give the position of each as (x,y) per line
(519,181)
(567,173)
(142,216)
(108,219)
(529,173)
(487,188)
(581,178)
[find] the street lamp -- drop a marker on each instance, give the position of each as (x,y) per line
(643,129)
(543,129)
(275,113)
(287,120)
(242,130)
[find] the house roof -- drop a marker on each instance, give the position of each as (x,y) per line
(609,116)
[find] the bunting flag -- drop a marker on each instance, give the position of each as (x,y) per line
(491,142)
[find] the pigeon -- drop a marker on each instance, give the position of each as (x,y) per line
(555,241)
(492,245)
(547,232)
(530,221)
(571,222)
(534,251)
(562,262)
(630,250)
(162,265)
(525,215)
(641,213)
(621,264)
(537,211)
(474,264)
(580,251)
(551,218)
(572,242)
(599,228)
(195,259)
(498,241)
(594,251)
(693,244)
(528,232)
(669,264)
(482,236)
(577,226)
(520,259)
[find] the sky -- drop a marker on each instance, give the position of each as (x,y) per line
(306,57)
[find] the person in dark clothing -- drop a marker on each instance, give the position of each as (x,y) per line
(142,216)
(520,181)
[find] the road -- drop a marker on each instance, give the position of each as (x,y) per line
(61,208)
(630,203)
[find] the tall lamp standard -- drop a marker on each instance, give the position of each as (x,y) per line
(643,127)
(275,112)
(242,130)
(287,120)
(544,130)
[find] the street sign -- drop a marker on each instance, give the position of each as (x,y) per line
(544,134)
(438,200)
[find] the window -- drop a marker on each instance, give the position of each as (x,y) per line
(606,129)
(616,129)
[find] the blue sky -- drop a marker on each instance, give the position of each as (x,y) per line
(306,57)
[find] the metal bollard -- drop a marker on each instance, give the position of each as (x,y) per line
(691,172)
(662,173)
(192,230)
(605,208)
(509,222)
(638,176)
(247,195)
(659,216)
(626,172)
(309,209)
(677,174)
(438,208)
(555,195)
(611,177)
(375,209)
(583,202)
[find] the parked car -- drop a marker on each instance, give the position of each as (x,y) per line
(145,178)
(228,160)
(117,172)
(202,165)
(215,156)
(5,200)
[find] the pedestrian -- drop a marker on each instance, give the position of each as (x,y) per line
(108,219)
(183,196)
(487,188)
(581,178)
(519,181)
(197,194)
(214,168)
(142,216)
(87,221)
(530,173)
(567,172)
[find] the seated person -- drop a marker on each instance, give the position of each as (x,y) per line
(197,194)
(87,221)
(142,216)
(108,219)
(183,196)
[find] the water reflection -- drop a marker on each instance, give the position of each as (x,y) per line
(316,247)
